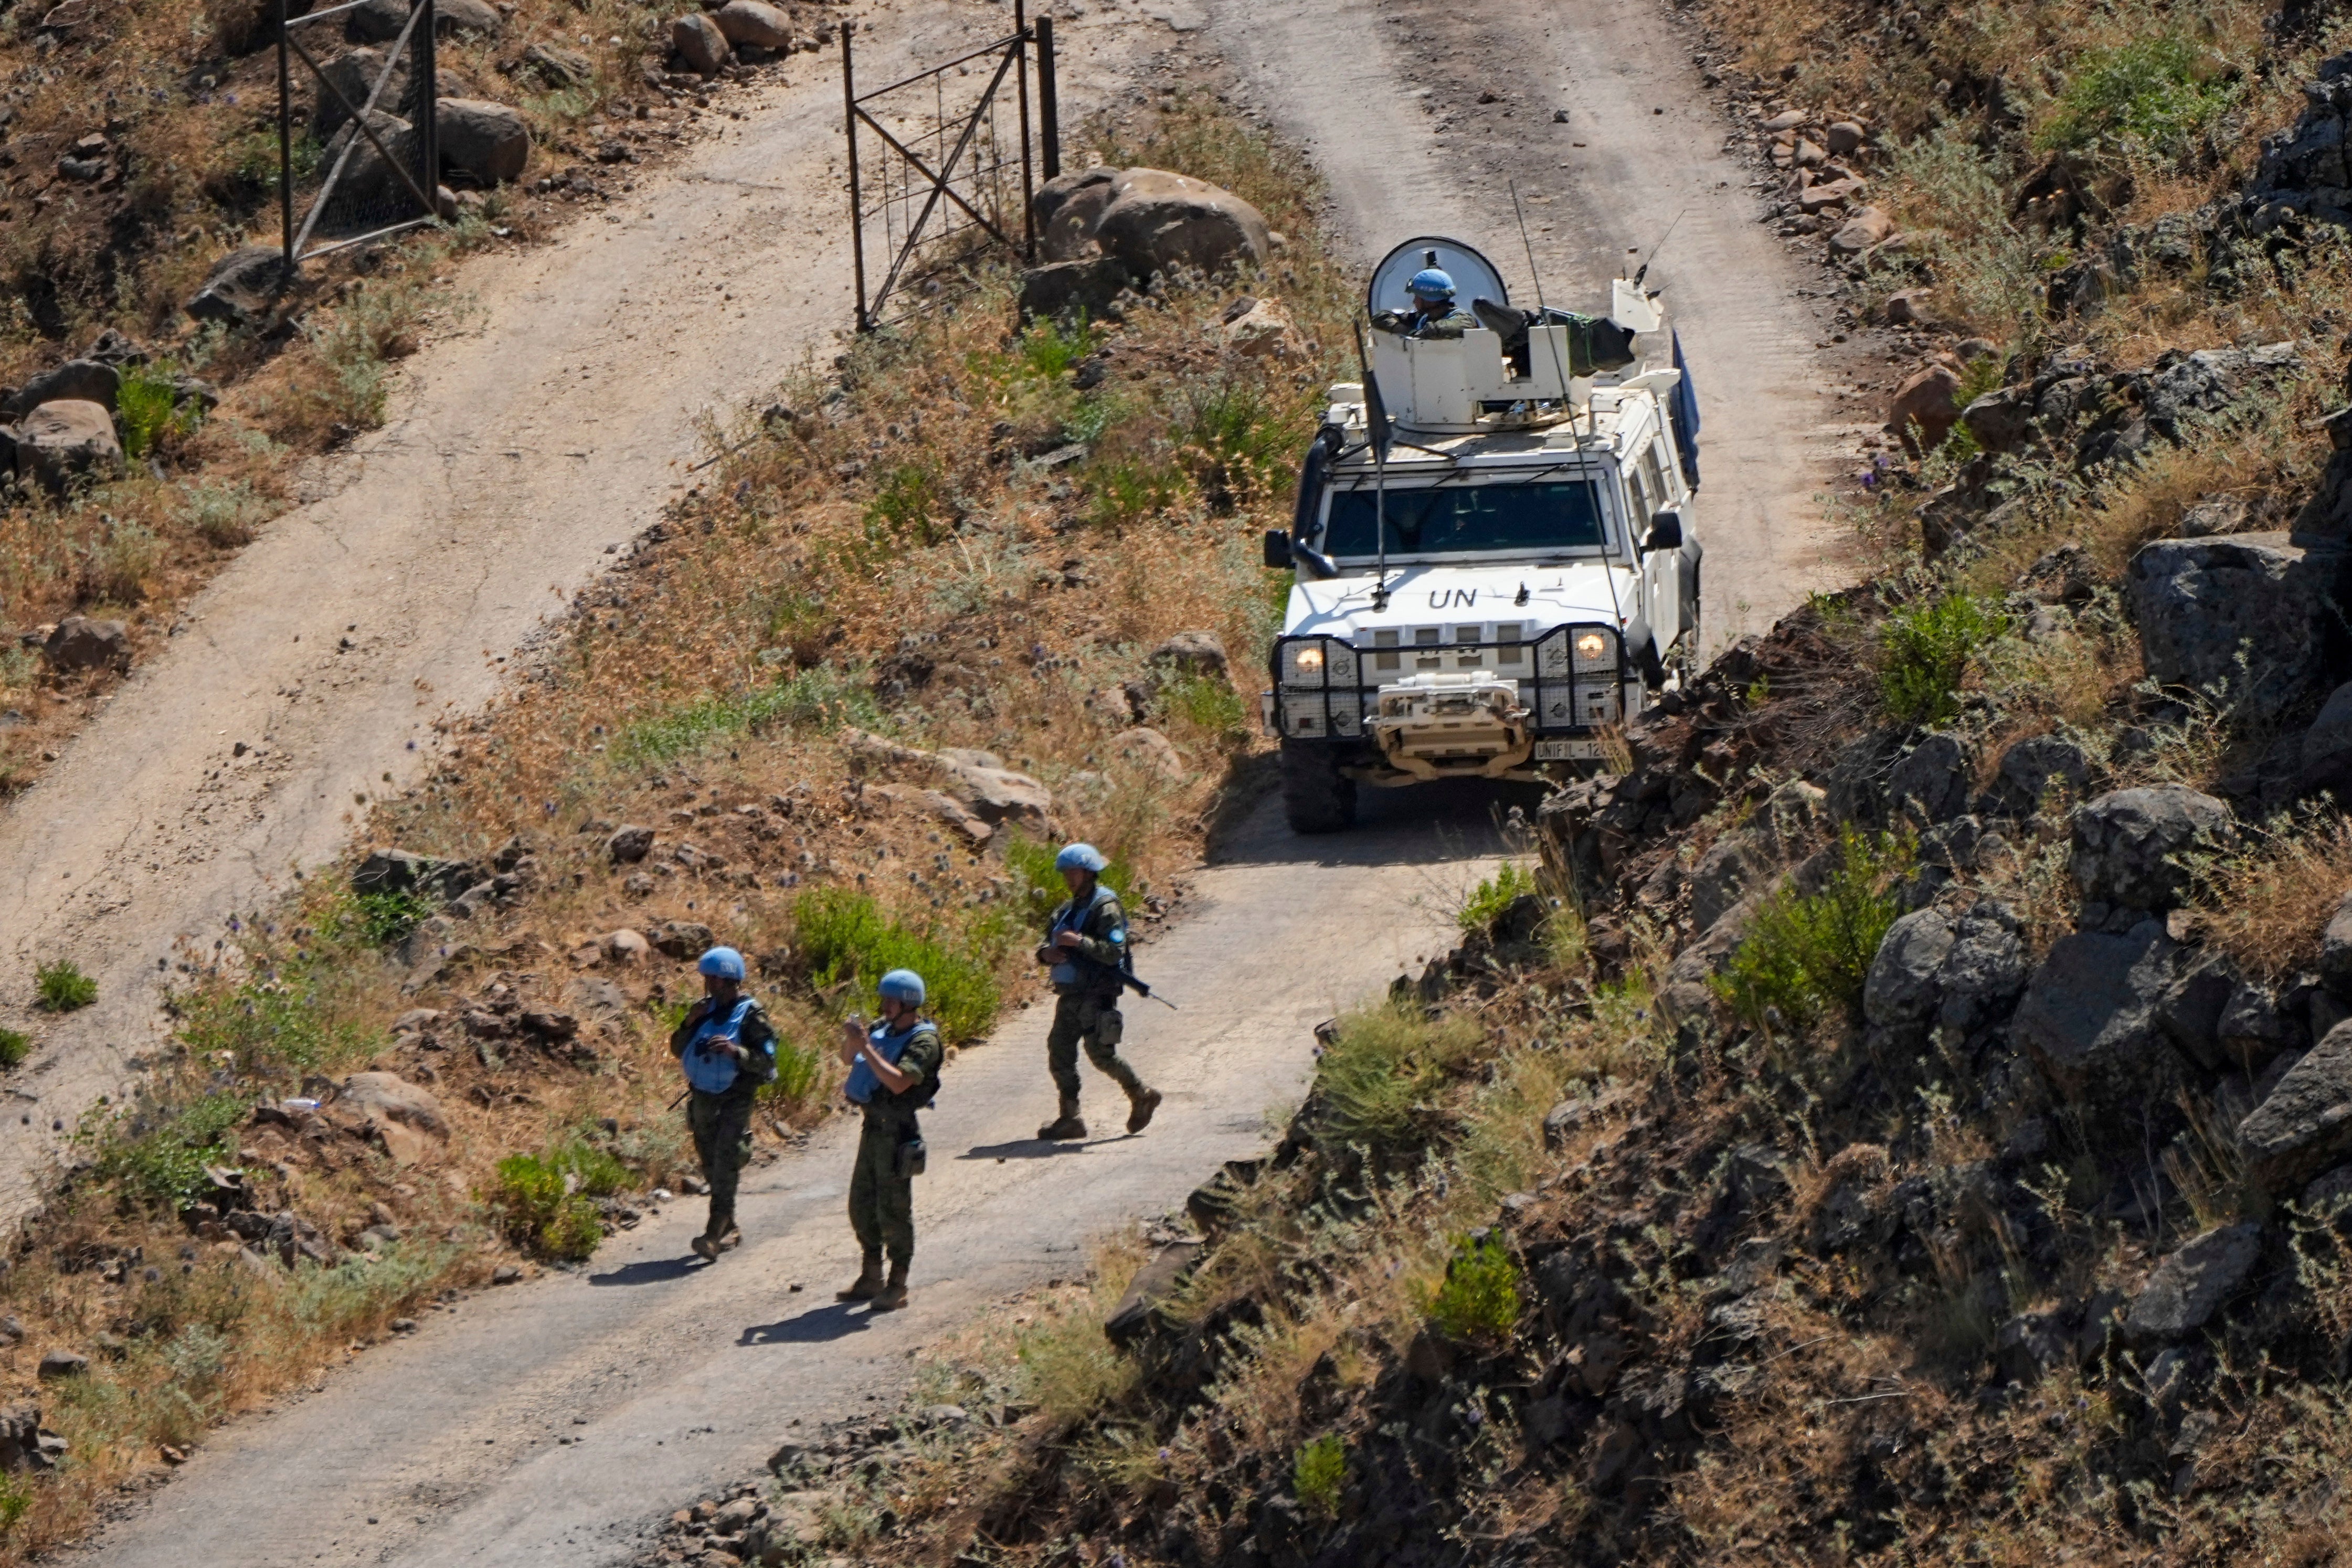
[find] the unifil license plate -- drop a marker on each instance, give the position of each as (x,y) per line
(1567,750)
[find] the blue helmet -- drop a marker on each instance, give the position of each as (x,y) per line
(722,963)
(902,985)
(1085,857)
(1430,283)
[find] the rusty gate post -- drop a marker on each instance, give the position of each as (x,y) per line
(1049,107)
(856,209)
(285,145)
(1021,36)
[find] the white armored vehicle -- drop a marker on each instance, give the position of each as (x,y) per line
(1493,546)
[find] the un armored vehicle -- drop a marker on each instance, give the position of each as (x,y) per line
(1495,557)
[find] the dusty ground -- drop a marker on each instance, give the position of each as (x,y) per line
(521,454)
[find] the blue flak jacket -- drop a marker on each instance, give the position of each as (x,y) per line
(1073,917)
(862,1085)
(706,1070)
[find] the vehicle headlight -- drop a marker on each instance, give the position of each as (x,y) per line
(1310,659)
(1594,649)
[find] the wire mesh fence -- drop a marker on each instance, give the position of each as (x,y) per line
(364,162)
(942,166)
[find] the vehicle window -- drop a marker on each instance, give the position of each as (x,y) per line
(1469,518)
(1655,475)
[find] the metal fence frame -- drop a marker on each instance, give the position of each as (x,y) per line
(939,186)
(421,36)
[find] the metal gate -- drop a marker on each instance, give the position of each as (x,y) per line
(942,190)
(371,177)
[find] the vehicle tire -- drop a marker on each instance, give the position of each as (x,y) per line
(1315,796)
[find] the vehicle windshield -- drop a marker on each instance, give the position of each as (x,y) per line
(1489,518)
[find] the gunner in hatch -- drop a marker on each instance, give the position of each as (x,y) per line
(1434,314)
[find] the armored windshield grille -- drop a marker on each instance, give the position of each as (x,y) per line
(1456,644)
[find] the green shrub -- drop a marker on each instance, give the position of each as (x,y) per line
(1806,954)
(277,1022)
(386,919)
(2160,92)
(61,987)
(1484,906)
(16,1497)
(14,1046)
(1479,1302)
(908,504)
(847,939)
(820,698)
(546,1200)
(1051,350)
(1129,491)
(1237,440)
(1208,703)
(1379,1075)
(224,515)
(799,1073)
(147,405)
(158,1163)
(1318,1472)
(1042,888)
(1924,651)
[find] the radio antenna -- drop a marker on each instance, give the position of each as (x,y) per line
(1376,428)
(1543,312)
(1644,270)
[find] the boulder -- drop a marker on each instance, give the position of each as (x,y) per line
(76,380)
(1952,973)
(380,21)
(624,947)
(2327,744)
(2252,1028)
(2129,844)
(2000,421)
(369,175)
(559,66)
(2199,601)
(2184,389)
(1931,783)
(56,1364)
(2302,1126)
(2189,1287)
(2190,1014)
(1264,331)
(1865,229)
(2088,1017)
(1733,867)
(353,74)
(2031,1344)
(1137,1313)
(1088,285)
(628,845)
(1845,138)
(1068,208)
(1192,654)
(67,441)
(1148,751)
(2335,949)
(405,871)
(242,287)
(701,44)
(2029,770)
(1926,407)
(1157,220)
(756,22)
(487,141)
(79,643)
(20,1438)
(402,1115)
(682,938)
(999,796)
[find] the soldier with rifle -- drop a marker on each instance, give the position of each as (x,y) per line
(1086,953)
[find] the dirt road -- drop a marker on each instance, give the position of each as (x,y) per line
(1385,94)
(305,680)
(442,1449)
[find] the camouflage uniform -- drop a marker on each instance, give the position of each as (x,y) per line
(1088,980)
(720,1120)
(1449,320)
(881,1200)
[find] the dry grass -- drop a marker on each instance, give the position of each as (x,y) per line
(2267,907)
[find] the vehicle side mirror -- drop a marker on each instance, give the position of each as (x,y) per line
(1278,549)
(1666,531)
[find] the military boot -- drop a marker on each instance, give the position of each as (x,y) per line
(731,1238)
(867,1286)
(1067,1127)
(1139,1107)
(713,1239)
(892,1295)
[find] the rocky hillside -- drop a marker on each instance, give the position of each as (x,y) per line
(1908,1124)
